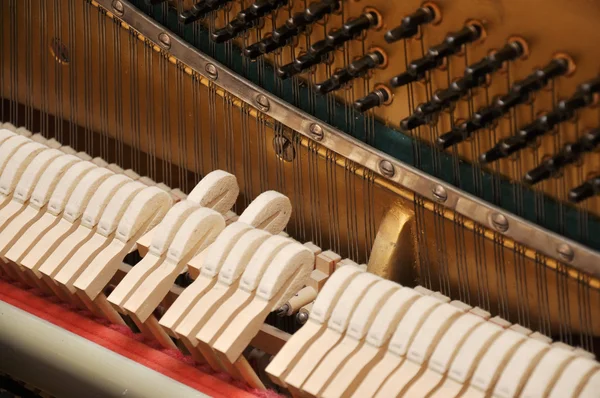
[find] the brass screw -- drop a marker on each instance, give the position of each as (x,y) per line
(565,252)
(387,168)
(440,194)
(212,71)
(263,102)
(118,8)
(499,222)
(316,131)
(165,40)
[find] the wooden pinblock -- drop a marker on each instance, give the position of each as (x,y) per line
(326,262)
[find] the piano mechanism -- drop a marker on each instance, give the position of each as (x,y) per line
(317,198)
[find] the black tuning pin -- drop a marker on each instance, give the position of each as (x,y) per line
(246,19)
(586,190)
(569,154)
(435,55)
(475,75)
(356,69)
(320,50)
(519,93)
(200,9)
(375,98)
(565,110)
(410,24)
(154,2)
(293,27)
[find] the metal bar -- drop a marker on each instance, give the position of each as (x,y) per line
(516,228)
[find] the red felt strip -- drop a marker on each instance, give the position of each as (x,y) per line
(121,340)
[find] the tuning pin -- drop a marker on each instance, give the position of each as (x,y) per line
(222,35)
(318,10)
(200,9)
(336,81)
(376,98)
(410,24)
(569,154)
(258,10)
(591,87)
(288,70)
(457,135)
(154,2)
(586,190)
(354,70)
(540,78)
(254,51)
(436,55)
(478,71)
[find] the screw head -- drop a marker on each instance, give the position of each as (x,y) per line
(211,71)
(263,102)
(118,7)
(565,252)
(316,131)
(302,317)
(499,222)
(440,194)
(165,40)
(387,168)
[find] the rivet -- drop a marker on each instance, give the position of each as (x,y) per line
(165,40)
(499,222)
(565,252)
(211,71)
(387,168)
(302,317)
(440,194)
(316,131)
(263,102)
(118,7)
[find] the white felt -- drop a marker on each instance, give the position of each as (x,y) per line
(546,371)
(17,165)
(9,126)
(170,224)
(5,134)
(32,174)
(270,211)
(218,190)
(464,361)
(116,207)
(295,259)
(340,316)
(331,292)
(411,323)
(367,309)
(83,192)
(451,341)
(571,376)
(67,184)
(388,316)
(151,203)
(220,249)
(493,359)
(101,198)
(9,147)
(590,390)
(236,261)
(202,225)
(260,261)
(425,339)
(52,143)
(51,177)
(523,358)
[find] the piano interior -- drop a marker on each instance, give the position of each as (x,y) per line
(320,198)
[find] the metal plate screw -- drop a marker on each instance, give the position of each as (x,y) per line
(118,8)
(165,40)
(211,71)
(440,194)
(386,168)
(316,131)
(263,102)
(499,222)
(565,252)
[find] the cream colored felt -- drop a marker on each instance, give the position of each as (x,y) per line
(270,211)
(575,374)
(467,359)
(14,245)
(9,126)
(197,232)
(420,350)
(17,165)
(163,236)
(146,210)
(69,221)
(115,168)
(214,260)
(591,388)
(52,143)
(98,161)
(227,281)
(443,355)
(84,156)
(398,345)
(9,147)
(347,379)
(104,233)
(493,363)
(5,134)
(519,368)
(360,322)
(53,264)
(38,138)
(336,326)
(547,371)
(287,273)
(26,184)
(218,190)
(314,327)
